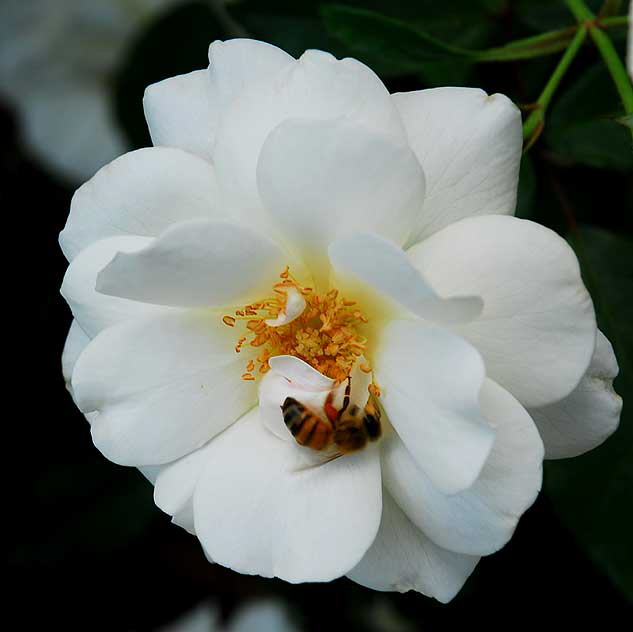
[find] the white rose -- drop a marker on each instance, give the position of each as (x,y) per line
(371,235)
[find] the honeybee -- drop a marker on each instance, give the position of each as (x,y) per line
(347,429)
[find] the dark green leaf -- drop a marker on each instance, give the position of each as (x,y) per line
(581,126)
(546,15)
(530,46)
(593,493)
(390,46)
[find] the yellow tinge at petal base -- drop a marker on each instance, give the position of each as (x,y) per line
(324,330)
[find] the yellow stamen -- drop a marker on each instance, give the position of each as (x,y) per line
(325,335)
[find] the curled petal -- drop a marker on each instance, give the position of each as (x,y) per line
(382,267)
(196,264)
(93,310)
(293,308)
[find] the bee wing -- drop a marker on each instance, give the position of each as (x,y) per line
(324,458)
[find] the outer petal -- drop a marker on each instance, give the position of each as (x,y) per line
(481,519)
(537,329)
(140,193)
(237,64)
(95,311)
(323,179)
(259,510)
(317,86)
(402,558)
(384,268)
(469,145)
(76,342)
(176,482)
(196,264)
(588,415)
(182,112)
(162,386)
(430,381)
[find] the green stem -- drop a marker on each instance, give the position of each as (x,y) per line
(617,20)
(607,50)
(534,123)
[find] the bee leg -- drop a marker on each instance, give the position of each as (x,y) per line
(348,390)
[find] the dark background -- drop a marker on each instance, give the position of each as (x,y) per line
(87,547)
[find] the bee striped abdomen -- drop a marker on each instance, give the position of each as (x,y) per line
(372,422)
(306,427)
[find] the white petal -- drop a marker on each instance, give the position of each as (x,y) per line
(481,519)
(292,377)
(197,264)
(162,386)
(293,308)
(385,268)
(140,193)
(317,86)
(537,329)
(95,311)
(402,558)
(301,373)
(151,472)
(469,145)
(237,64)
(588,415)
(184,519)
(430,381)
(323,179)
(182,112)
(76,342)
(259,510)
(176,482)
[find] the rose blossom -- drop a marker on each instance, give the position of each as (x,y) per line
(296,225)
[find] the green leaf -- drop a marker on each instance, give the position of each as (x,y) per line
(581,126)
(391,45)
(530,47)
(593,493)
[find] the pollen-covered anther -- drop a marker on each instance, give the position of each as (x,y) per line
(321,329)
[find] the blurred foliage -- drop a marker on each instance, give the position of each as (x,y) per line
(80,515)
(582,127)
(593,493)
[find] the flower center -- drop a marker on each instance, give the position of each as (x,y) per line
(321,329)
